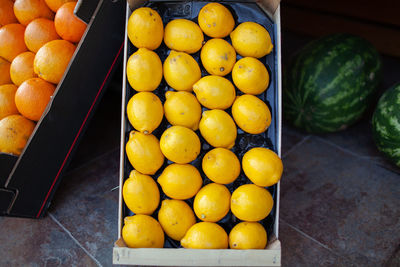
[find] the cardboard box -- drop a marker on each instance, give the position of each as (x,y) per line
(271,255)
(28,182)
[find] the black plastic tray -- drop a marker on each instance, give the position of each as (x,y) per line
(242,11)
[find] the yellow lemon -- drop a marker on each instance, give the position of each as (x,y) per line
(176,217)
(215,92)
(251,203)
(181,71)
(218,128)
(221,166)
(250,39)
(145,28)
(142,231)
(183,35)
(205,235)
(180,181)
(144,70)
(141,193)
(216,20)
(251,114)
(182,109)
(250,76)
(248,235)
(142,149)
(145,112)
(218,57)
(212,202)
(262,166)
(180,144)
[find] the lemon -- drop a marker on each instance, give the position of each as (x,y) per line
(218,57)
(216,20)
(181,71)
(250,76)
(145,112)
(212,202)
(218,128)
(251,203)
(221,166)
(142,231)
(248,235)
(180,144)
(250,39)
(141,193)
(215,92)
(144,70)
(145,28)
(142,149)
(205,235)
(183,35)
(182,109)
(251,114)
(180,181)
(176,217)
(262,166)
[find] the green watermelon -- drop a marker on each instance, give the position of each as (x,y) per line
(386,124)
(330,83)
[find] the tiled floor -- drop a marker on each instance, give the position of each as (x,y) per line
(340,200)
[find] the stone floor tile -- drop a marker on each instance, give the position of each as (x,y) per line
(290,138)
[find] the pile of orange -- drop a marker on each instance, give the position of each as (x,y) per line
(37,40)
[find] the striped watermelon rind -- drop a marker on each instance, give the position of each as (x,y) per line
(386,124)
(330,83)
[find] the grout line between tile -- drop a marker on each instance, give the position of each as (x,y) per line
(74,239)
(296,145)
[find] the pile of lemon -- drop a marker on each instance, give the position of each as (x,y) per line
(180,143)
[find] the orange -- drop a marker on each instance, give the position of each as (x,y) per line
(56,4)
(7,13)
(7,104)
(68,26)
(39,32)
(15,131)
(32,97)
(4,71)
(22,68)
(28,10)
(12,41)
(52,60)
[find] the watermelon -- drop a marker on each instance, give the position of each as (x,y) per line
(386,124)
(330,83)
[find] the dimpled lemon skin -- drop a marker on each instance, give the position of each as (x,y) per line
(143,149)
(218,57)
(176,217)
(144,70)
(221,166)
(218,128)
(141,193)
(262,166)
(180,144)
(183,35)
(251,114)
(180,181)
(145,112)
(212,202)
(248,235)
(250,76)
(250,39)
(251,203)
(181,71)
(216,20)
(142,231)
(145,28)
(215,92)
(182,109)
(205,235)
